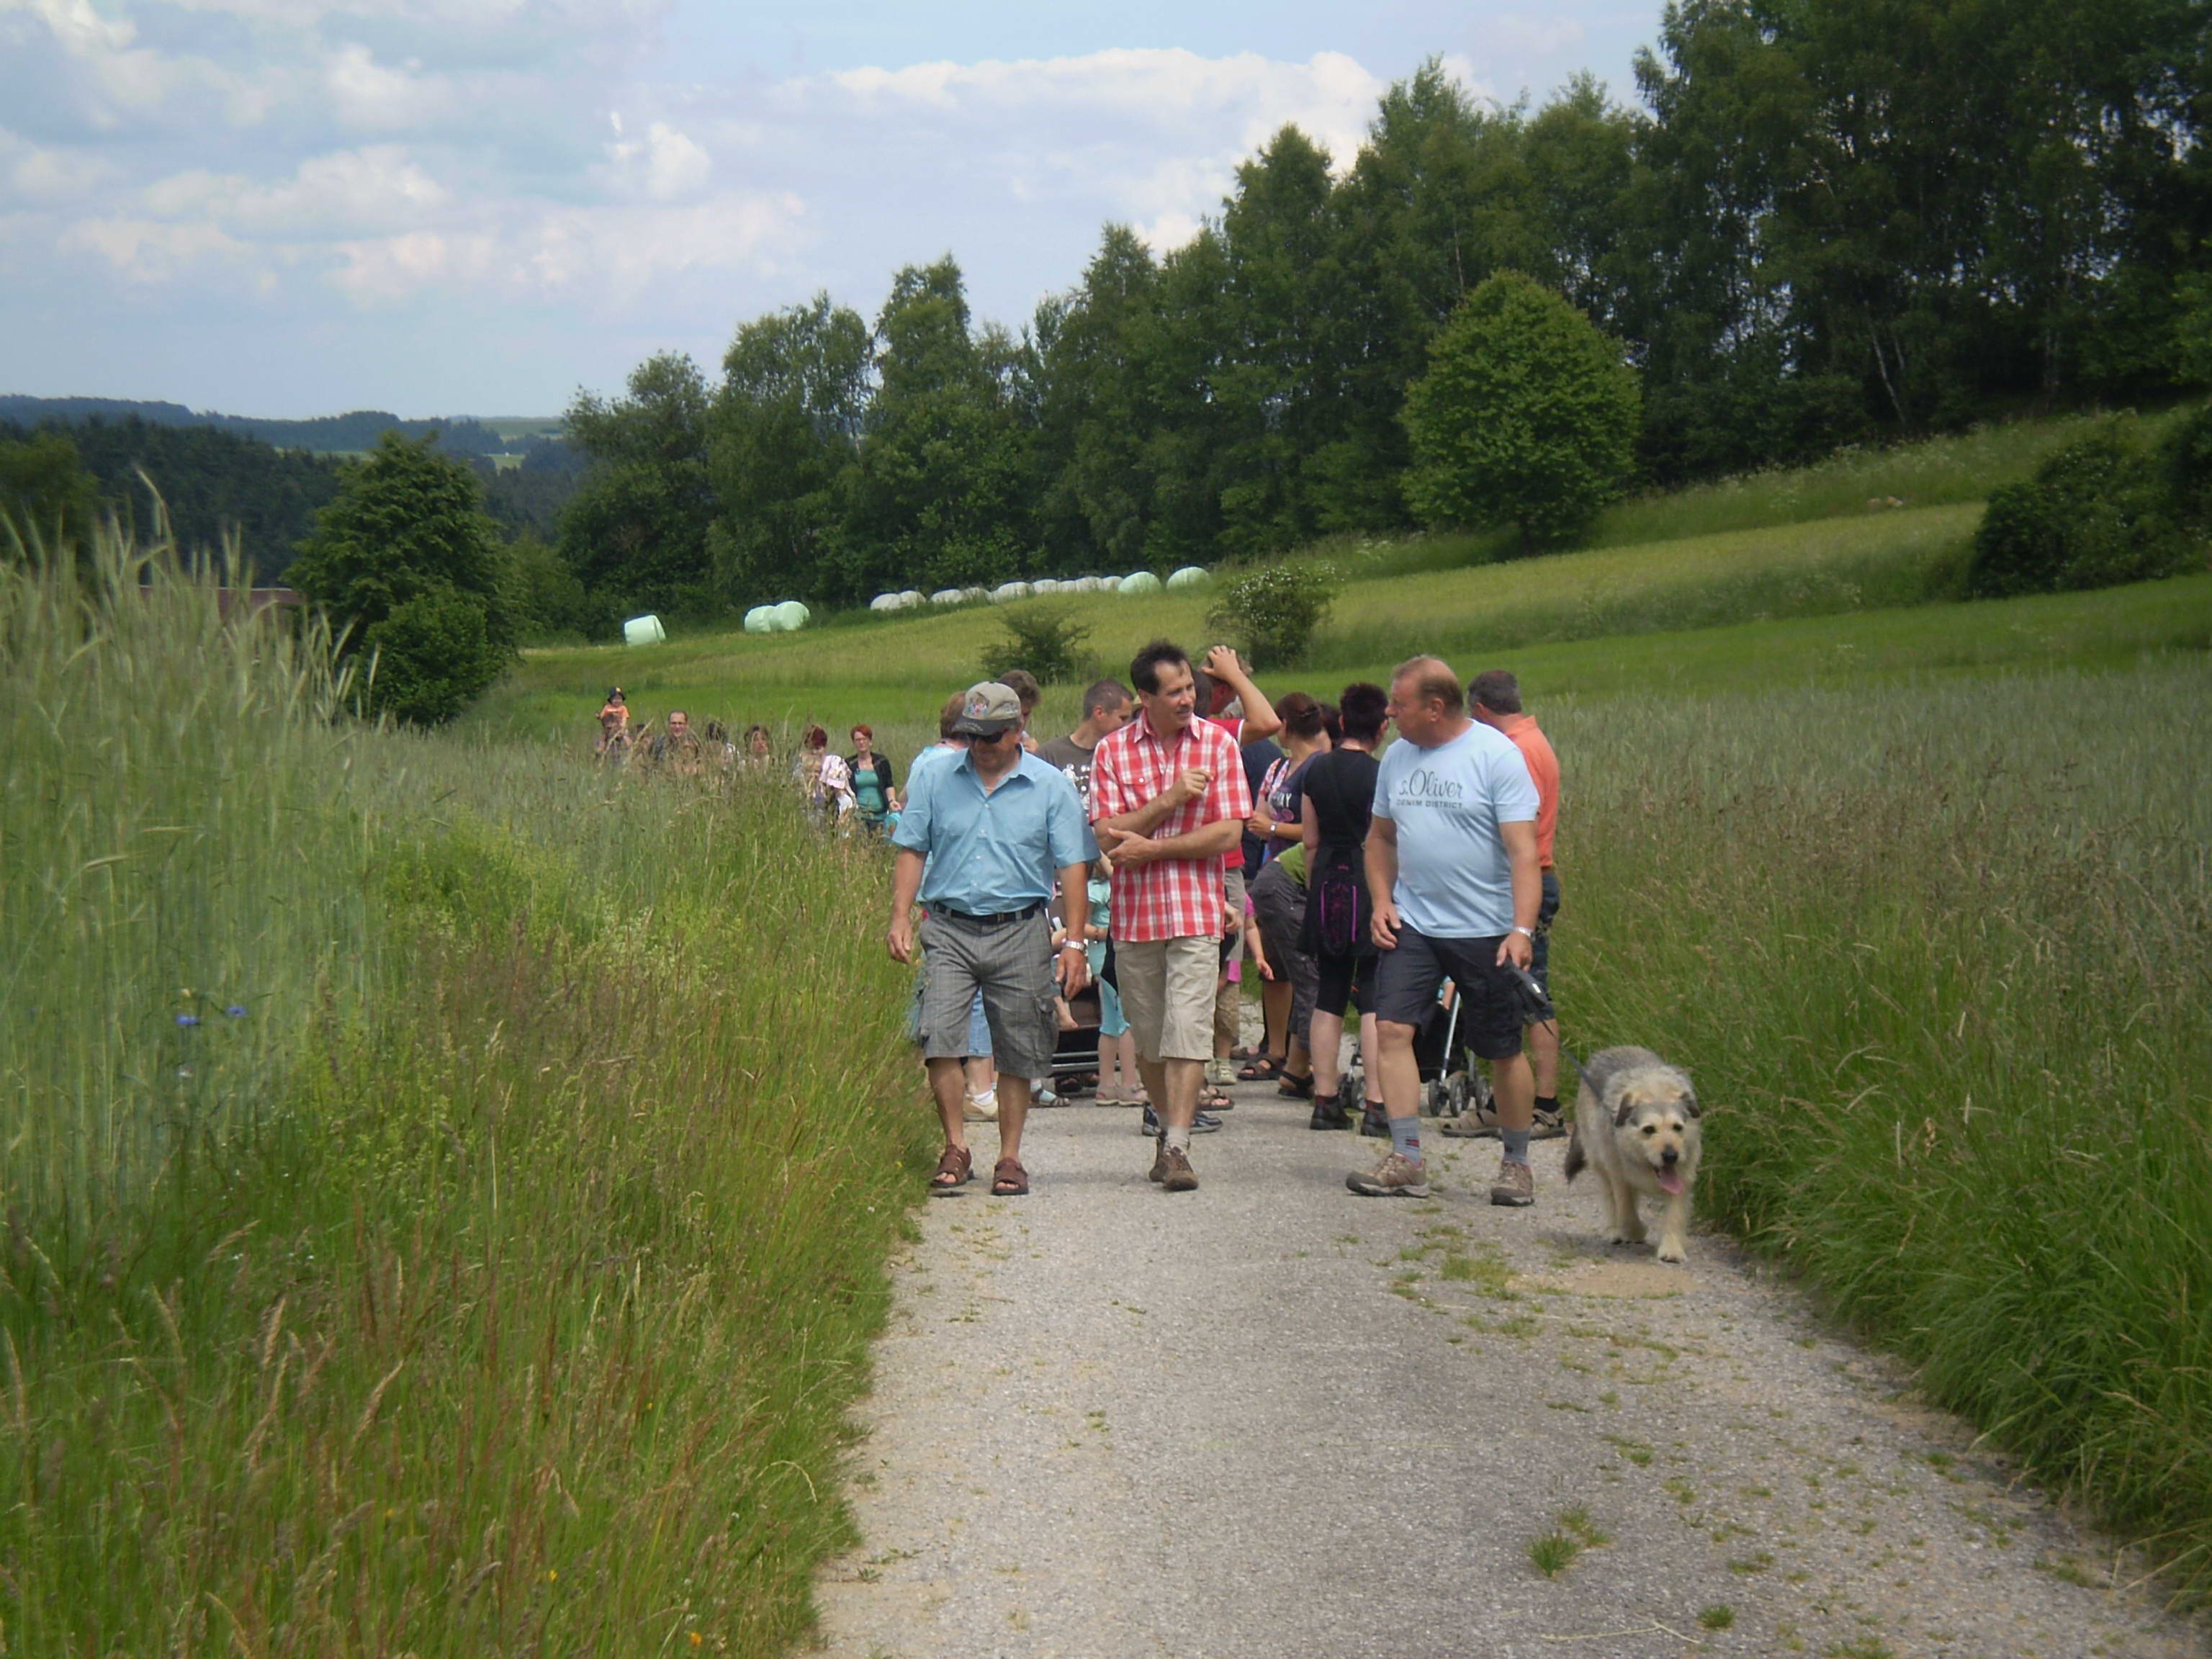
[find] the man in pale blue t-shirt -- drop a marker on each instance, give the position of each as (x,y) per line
(1453,871)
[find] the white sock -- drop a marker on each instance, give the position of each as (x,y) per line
(1179,1138)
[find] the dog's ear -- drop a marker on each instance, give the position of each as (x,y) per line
(1690,1104)
(1626,1110)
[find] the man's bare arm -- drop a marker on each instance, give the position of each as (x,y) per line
(1261,720)
(1520,841)
(1207,841)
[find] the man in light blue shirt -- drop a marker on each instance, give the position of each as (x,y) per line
(980,831)
(1456,881)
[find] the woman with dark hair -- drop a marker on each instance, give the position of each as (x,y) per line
(875,796)
(1338,797)
(822,777)
(1279,902)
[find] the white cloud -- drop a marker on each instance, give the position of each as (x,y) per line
(666,165)
(344,193)
(149,251)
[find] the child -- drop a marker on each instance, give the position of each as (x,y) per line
(1119,1083)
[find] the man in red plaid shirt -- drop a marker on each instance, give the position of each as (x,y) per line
(1168,800)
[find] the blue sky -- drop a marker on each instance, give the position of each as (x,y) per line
(294,207)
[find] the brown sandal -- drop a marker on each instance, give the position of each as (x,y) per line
(954,1170)
(1009,1179)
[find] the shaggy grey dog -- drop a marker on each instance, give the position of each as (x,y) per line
(1636,1124)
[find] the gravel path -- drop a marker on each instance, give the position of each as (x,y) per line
(1273,1418)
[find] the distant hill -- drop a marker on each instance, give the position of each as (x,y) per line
(325,434)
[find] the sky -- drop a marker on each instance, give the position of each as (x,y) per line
(289,208)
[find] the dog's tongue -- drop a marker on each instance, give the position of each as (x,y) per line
(1670,1182)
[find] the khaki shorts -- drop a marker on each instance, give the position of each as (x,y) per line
(1167,994)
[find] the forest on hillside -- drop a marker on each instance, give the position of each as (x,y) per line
(352,433)
(1821,222)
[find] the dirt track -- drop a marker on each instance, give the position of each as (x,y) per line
(1273,1418)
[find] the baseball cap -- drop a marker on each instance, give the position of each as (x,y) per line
(987,710)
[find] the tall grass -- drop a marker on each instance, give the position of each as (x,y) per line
(1942,959)
(513,1299)
(174,894)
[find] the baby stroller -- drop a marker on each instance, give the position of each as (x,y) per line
(1075,1057)
(1451,1083)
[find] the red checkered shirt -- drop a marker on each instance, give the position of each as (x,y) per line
(1168,898)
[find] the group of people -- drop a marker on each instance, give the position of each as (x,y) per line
(1392,880)
(859,788)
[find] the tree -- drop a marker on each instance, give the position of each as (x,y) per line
(411,571)
(45,500)
(786,449)
(940,497)
(1528,415)
(637,529)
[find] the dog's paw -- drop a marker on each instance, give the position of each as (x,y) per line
(1672,1249)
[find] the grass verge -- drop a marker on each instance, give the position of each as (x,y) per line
(498,1281)
(1941,957)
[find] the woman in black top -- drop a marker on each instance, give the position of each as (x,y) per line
(1339,800)
(872,794)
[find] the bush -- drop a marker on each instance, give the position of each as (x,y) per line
(397,560)
(2186,458)
(1528,415)
(1272,613)
(2097,513)
(1044,640)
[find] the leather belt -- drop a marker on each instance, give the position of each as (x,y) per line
(1001,919)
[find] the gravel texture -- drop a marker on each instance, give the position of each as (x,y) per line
(1271,1418)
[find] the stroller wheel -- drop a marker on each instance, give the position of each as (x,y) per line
(1433,1098)
(1456,1094)
(1351,1092)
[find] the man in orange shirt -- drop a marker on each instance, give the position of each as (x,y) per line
(1495,700)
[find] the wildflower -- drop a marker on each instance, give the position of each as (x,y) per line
(188,1019)
(551,1573)
(696,1638)
(236,1010)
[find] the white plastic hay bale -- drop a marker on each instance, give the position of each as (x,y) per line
(643,630)
(1108,584)
(884,602)
(1006,592)
(947,596)
(1139,581)
(1086,584)
(909,598)
(1046,585)
(756,620)
(791,617)
(1190,575)
(975,593)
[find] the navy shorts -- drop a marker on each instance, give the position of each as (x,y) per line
(1407,980)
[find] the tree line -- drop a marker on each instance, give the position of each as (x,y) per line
(352,433)
(1823,222)
(61,478)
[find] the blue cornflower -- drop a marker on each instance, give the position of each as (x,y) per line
(236,1010)
(188,1019)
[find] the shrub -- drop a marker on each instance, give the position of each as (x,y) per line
(1272,612)
(1044,640)
(1527,415)
(397,559)
(2097,513)
(2186,459)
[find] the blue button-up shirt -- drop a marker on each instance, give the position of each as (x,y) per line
(989,852)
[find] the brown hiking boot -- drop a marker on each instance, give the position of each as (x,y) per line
(1395,1176)
(1516,1183)
(1159,1158)
(1176,1174)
